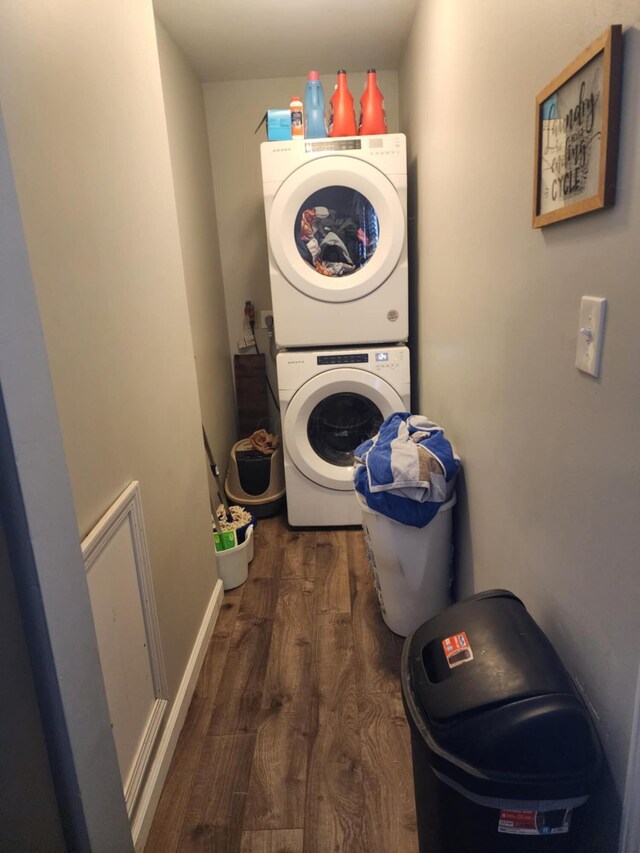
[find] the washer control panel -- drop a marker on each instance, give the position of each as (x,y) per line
(377,359)
(295,367)
(349,358)
(385,360)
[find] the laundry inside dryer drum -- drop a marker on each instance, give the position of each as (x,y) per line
(336,231)
(341,422)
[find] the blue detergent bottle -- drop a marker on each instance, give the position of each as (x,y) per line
(314,126)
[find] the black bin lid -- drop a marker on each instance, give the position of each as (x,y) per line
(497,708)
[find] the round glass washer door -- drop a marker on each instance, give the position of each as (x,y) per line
(327,201)
(339,423)
(328,417)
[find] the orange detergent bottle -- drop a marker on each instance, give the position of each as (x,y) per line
(373,118)
(297,123)
(342,118)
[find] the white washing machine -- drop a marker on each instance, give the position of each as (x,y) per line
(336,212)
(330,402)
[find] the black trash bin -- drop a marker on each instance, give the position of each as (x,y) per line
(503,746)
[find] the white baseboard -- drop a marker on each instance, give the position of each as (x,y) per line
(150,796)
(630,830)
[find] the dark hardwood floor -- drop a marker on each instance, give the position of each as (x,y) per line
(296,738)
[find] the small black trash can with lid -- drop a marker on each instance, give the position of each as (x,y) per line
(503,745)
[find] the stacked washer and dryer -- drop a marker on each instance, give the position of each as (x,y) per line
(336,212)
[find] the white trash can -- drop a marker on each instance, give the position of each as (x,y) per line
(233,564)
(411,566)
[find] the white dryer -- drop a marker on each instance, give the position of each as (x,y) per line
(331,401)
(336,212)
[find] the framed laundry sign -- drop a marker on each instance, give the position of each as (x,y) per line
(577,127)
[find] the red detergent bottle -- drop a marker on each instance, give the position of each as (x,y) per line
(373,118)
(342,118)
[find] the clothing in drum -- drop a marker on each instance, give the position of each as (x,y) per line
(336,231)
(339,423)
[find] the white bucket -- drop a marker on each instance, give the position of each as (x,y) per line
(233,564)
(411,567)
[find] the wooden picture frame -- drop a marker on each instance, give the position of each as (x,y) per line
(576,136)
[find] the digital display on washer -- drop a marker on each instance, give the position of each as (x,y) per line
(349,358)
(382,356)
(333,145)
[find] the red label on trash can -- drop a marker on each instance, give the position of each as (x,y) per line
(516,822)
(457,650)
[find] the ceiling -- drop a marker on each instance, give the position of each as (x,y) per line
(259,39)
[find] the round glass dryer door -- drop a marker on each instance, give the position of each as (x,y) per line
(329,416)
(336,231)
(336,228)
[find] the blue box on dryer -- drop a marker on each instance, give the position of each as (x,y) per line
(278,124)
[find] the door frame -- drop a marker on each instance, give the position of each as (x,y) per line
(38,514)
(630,823)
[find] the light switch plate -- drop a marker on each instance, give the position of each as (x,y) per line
(590,334)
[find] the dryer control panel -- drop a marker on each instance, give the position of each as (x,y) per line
(343,144)
(387,152)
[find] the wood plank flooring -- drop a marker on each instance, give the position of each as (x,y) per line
(296,739)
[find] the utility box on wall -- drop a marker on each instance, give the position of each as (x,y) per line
(251,393)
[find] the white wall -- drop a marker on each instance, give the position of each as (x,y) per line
(551,496)
(82,97)
(195,203)
(234,110)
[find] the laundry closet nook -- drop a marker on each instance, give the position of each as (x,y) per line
(134,232)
